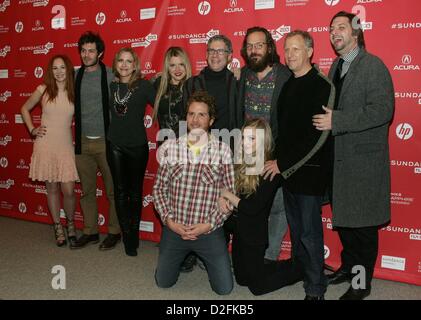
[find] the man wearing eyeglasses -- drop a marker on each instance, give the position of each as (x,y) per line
(260,84)
(220,83)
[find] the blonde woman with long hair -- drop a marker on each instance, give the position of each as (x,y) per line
(169,109)
(253,201)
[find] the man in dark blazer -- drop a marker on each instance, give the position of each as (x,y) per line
(359,122)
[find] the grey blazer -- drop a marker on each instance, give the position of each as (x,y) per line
(361,174)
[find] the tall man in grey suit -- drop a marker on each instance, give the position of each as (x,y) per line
(361,174)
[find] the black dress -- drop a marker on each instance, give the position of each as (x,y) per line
(250,240)
(171,110)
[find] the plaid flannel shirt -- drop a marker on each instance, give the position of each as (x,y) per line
(187,187)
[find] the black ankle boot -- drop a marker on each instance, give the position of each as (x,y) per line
(129,248)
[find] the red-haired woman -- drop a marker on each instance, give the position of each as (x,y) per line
(53,158)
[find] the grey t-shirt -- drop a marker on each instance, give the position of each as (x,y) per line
(91,102)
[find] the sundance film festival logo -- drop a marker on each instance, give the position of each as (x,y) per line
(234,8)
(123,17)
(4,5)
(6,184)
(5,95)
(279,32)
(38,72)
(318,29)
(39,49)
(38,26)
(19,26)
(22,207)
(4,162)
(147,200)
(100,18)
(409,95)
(204,8)
(332,2)
(138,42)
(407,64)
(404,131)
(406,25)
(4,51)
(5,140)
(195,37)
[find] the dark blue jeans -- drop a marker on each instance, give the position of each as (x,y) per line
(306,229)
(211,248)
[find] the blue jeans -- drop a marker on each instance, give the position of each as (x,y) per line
(211,248)
(277,226)
(305,225)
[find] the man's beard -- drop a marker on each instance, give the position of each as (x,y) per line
(259,65)
(91,64)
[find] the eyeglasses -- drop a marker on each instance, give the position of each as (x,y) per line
(257,45)
(219,52)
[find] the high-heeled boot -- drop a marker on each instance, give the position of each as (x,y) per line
(127,241)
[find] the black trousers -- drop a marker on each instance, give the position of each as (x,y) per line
(360,247)
(128,166)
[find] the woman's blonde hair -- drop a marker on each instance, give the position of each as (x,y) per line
(166,77)
(136,73)
(246,183)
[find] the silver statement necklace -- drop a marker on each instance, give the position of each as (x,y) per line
(121,104)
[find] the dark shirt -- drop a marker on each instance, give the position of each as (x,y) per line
(300,99)
(127,128)
(253,212)
(171,109)
(217,87)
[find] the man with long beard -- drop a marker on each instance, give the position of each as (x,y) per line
(260,84)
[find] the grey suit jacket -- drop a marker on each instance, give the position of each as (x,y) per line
(361,176)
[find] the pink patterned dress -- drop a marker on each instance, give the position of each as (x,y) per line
(53,157)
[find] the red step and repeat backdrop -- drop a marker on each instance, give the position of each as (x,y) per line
(31,31)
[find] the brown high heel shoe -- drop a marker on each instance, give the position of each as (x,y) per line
(59,234)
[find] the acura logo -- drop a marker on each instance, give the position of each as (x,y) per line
(233,3)
(406,59)
(148,65)
(123,14)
